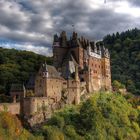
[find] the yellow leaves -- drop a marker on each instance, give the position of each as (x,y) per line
(11,128)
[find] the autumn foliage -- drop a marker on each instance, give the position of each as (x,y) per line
(11,128)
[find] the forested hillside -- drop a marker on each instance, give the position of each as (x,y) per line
(16,66)
(105,116)
(125,58)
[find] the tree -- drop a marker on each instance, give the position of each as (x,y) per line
(124,50)
(16,67)
(117,85)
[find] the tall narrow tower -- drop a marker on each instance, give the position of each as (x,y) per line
(106,69)
(41,81)
(77,88)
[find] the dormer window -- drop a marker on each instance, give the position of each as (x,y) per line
(45,74)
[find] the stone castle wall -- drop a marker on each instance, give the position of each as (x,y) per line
(13,108)
(58,55)
(54,89)
(33,105)
(73,96)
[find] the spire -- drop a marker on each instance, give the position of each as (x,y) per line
(95,48)
(74,36)
(24,91)
(56,38)
(89,49)
(99,50)
(45,70)
(56,41)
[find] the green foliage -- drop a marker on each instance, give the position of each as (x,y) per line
(53,133)
(108,116)
(16,67)
(125,58)
(117,85)
(105,116)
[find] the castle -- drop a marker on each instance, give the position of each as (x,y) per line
(79,67)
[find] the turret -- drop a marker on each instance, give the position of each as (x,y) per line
(63,39)
(106,69)
(74,36)
(56,41)
(99,50)
(45,70)
(95,47)
(105,52)
(89,49)
(45,75)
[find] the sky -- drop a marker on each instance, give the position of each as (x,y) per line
(31,24)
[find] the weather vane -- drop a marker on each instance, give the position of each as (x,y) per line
(73,27)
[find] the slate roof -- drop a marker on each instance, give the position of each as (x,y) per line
(53,73)
(69,62)
(70,56)
(31,83)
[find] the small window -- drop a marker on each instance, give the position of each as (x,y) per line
(64,83)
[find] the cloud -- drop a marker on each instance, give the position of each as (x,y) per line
(34,22)
(28,47)
(135,2)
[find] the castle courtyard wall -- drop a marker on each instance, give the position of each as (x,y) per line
(13,108)
(33,105)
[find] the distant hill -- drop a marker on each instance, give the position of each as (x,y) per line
(125,58)
(16,66)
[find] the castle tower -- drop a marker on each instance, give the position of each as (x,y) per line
(73,86)
(63,39)
(77,89)
(56,41)
(74,36)
(106,73)
(59,49)
(41,81)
